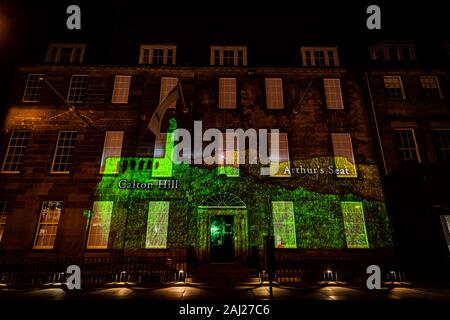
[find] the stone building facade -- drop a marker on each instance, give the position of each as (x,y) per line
(72,181)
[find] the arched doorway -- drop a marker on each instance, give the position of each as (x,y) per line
(222,234)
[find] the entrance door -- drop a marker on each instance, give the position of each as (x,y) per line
(222,239)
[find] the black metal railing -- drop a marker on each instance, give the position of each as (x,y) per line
(95,271)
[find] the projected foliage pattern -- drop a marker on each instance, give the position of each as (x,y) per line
(157,224)
(284,224)
(316,204)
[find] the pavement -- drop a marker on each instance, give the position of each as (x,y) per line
(199,292)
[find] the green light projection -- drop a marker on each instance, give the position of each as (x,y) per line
(344,168)
(100,225)
(284,224)
(316,199)
(354,224)
(157,224)
(162,167)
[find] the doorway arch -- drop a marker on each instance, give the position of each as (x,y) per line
(226,205)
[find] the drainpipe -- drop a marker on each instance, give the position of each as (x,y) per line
(366,78)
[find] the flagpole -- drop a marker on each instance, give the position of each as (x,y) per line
(86,119)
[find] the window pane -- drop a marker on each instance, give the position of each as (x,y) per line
(121,89)
(112,150)
(217,57)
(48,225)
(406,145)
(4,210)
(228,161)
(228,57)
(65,146)
(32,87)
(406,54)
(343,155)
(441,139)
(331,60)
(16,150)
(393,87)
(354,225)
(158,56)
(167,84)
(284,224)
(279,165)
(227,93)
(319,58)
(333,93)
(157,225)
(430,86)
(66,55)
(308,61)
(100,225)
(393,54)
(446,226)
(274,93)
(77,88)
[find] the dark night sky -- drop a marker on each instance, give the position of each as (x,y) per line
(113,29)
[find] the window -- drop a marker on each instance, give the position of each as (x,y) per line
(393,54)
(145,56)
(52,54)
(441,139)
(393,88)
(216,57)
(319,56)
(167,84)
(406,54)
(100,225)
(274,93)
(240,58)
(121,89)
(331,61)
(407,145)
(446,226)
(229,160)
(163,156)
(32,88)
(4,210)
(354,225)
(65,53)
(15,151)
(62,159)
(393,51)
(158,54)
(228,56)
(379,54)
(280,166)
(284,224)
(157,225)
(430,86)
(112,150)
(308,61)
(160,146)
(344,159)
(48,225)
(170,56)
(227,93)
(77,88)
(333,94)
